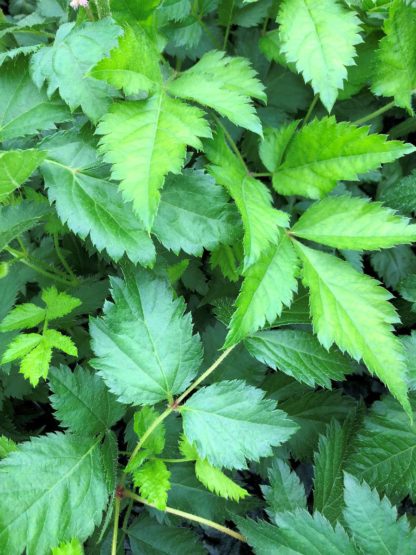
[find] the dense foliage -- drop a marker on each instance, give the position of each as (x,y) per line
(207,283)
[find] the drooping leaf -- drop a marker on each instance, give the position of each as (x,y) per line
(64,65)
(320,40)
(21,346)
(324,152)
(61,497)
(152,479)
(216,481)
(354,223)
(145,354)
(285,492)
(345,304)
(15,167)
(82,402)
(300,355)
(219,418)
(145,140)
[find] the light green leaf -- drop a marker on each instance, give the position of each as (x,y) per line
(58,340)
(285,492)
(395,64)
(155,442)
(345,305)
(324,152)
(18,218)
(145,140)
(194,214)
(276,141)
(373,522)
(35,364)
(153,481)
(7,446)
(133,65)
(15,168)
(146,535)
(225,84)
(216,481)
(219,418)
(145,355)
(69,548)
(21,346)
(81,401)
(300,355)
(24,109)
(52,489)
(58,303)
(319,37)
(64,65)
(23,316)
(268,285)
(385,451)
(354,223)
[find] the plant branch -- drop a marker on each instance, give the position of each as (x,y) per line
(310,110)
(188,516)
(374,114)
(117,503)
(62,258)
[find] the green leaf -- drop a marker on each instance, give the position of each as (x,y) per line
(145,140)
(219,418)
(354,223)
(153,480)
(58,303)
(81,401)
(18,218)
(130,10)
(276,141)
(21,346)
(77,48)
(145,355)
(324,152)
(7,446)
(23,316)
(69,548)
(409,344)
(345,304)
(268,285)
(35,364)
(320,40)
(148,536)
(373,522)
(155,443)
(401,195)
(194,214)
(385,451)
(216,481)
(395,64)
(91,205)
(15,168)
(24,109)
(224,84)
(393,265)
(260,220)
(52,489)
(285,492)
(133,65)
(300,355)
(57,340)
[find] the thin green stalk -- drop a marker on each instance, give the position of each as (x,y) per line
(403,128)
(310,110)
(263,174)
(117,504)
(188,516)
(228,27)
(231,142)
(170,461)
(374,114)
(125,523)
(62,258)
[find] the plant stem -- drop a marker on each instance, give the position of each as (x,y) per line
(264,174)
(310,110)
(188,516)
(228,28)
(374,114)
(176,460)
(62,258)
(403,128)
(231,142)
(117,504)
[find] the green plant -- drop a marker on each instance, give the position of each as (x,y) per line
(213,201)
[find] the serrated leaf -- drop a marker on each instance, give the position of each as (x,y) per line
(320,39)
(409,344)
(15,168)
(384,452)
(81,401)
(299,533)
(155,442)
(133,65)
(145,140)
(194,214)
(145,355)
(393,265)
(23,316)
(354,223)
(153,481)
(345,305)
(21,346)
(260,220)
(57,340)
(395,63)
(225,84)
(7,446)
(268,285)
(276,141)
(285,492)
(219,418)
(300,355)
(58,303)
(373,522)
(69,548)
(64,65)
(24,109)
(148,536)
(401,195)
(216,481)
(18,218)
(35,364)
(324,152)
(52,489)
